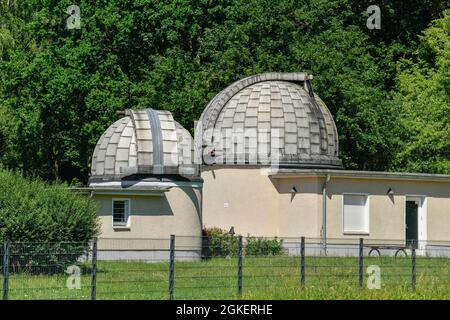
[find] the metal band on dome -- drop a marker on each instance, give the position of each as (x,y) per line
(158,155)
(320,116)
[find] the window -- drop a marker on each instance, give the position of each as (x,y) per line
(356,213)
(121,212)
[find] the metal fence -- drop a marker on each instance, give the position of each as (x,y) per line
(227,267)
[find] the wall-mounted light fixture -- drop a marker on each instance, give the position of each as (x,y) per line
(390,192)
(293,189)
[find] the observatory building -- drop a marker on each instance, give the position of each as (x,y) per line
(265,162)
(146,183)
(270,164)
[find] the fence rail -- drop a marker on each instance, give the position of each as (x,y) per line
(226,268)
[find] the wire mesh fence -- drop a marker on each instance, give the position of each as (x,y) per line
(230,267)
(50,270)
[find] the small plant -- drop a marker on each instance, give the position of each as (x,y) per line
(263,247)
(219,243)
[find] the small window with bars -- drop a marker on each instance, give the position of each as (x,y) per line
(121,212)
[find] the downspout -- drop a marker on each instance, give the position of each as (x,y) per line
(201,209)
(324,214)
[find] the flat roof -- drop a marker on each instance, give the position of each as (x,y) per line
(355,174)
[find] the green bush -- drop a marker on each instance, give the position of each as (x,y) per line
(220,243)
(46,225)
(263,247)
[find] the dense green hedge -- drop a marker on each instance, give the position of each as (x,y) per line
(46,225)
(263,247)
(220,243)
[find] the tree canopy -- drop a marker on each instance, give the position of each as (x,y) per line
(423,93)
(61,88)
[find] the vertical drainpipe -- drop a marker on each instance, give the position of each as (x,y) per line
(201,206)
(324,214)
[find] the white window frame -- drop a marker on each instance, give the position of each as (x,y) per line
(367,212)
(127,213)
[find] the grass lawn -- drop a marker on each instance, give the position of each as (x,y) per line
(263,278)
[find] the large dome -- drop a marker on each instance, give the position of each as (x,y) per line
(288,118)
(144,142)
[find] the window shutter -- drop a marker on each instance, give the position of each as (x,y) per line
(356,213)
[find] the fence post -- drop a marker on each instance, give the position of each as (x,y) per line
(413,262)
(240,266)
(302,262)
(361,262)
(171,266)
(94,270)
(6,253)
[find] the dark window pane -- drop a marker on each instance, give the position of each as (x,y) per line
(119,212)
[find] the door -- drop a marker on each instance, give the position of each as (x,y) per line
(412,225)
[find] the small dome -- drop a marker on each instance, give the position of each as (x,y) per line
(299,127)
(144,142)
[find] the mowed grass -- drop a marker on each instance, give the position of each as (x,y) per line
(263,278)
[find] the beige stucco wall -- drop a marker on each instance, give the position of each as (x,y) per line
(387,213)
(299,213)
(241,197)
(438,220)
(152,217)
(259,205)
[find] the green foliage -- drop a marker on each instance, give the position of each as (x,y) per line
(31,210)
(219,243)
(60,88)
(263,247)
(423,94)
(46,224)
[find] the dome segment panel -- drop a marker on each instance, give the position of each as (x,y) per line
(186,151)
(114,149)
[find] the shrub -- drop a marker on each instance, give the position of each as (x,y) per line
(45,224)
(263,247)
(219,243)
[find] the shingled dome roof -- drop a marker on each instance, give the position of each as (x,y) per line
(299,126)
(144,142)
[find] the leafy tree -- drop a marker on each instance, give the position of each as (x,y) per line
(60,93)
(401,22)
(423,93)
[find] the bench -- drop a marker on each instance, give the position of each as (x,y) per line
(377,248)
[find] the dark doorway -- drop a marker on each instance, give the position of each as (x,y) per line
(412,225)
